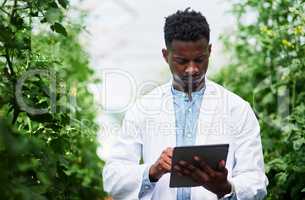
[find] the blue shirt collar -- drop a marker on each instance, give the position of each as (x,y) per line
(180,93)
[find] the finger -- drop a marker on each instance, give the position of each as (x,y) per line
(180,174)
(185,168)
(165,165)
(221,170)
(185,165)
(197,160)
(177,168)
(182,163)
(200,176)
(191,167)
(222,165)
(166,159)
(169,152)
(200,163)
(184,171)
(207,169)
(188,168)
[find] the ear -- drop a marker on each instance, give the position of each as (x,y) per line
(165,54)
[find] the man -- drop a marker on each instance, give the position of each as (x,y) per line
(189,110)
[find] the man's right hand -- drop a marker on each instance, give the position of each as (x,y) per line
(162,166)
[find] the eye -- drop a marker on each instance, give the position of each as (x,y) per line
(181,61)
(199,60)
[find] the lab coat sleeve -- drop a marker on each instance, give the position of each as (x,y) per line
(122,173)
(147,186)
(248,174)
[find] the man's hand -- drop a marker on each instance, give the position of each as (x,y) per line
(213,180)
(162,165)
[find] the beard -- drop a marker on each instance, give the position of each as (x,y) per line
(189,83)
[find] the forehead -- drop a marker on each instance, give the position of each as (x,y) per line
(185,48)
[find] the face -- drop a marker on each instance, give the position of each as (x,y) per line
(188,62)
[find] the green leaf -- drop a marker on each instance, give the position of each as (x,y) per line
(298,143)
(57,27)
(53,15)
(278,164)
(281,177)
(63,3)
(17,21)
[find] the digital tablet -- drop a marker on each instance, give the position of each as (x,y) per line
(212,154)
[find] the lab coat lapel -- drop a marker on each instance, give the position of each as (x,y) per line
(167,117)
(210,113)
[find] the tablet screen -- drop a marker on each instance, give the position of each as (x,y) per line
(212,154)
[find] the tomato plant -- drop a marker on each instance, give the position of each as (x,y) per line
(47,115)
(267,69)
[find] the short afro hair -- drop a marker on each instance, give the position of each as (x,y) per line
(187,25)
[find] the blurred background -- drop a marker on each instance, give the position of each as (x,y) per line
(128,36)
(124,40)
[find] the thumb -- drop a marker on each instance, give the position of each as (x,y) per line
(222,165)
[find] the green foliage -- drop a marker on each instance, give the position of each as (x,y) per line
(47,129)
(267,69)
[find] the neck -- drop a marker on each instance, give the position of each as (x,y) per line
(188,89)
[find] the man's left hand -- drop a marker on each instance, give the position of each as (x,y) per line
(213,180)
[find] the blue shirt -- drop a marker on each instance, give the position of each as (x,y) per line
(186,115)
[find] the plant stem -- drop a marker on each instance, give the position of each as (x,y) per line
(3,4)
(9,62)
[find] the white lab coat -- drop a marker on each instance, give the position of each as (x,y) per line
(149,128)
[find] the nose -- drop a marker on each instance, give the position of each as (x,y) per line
(192,68)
